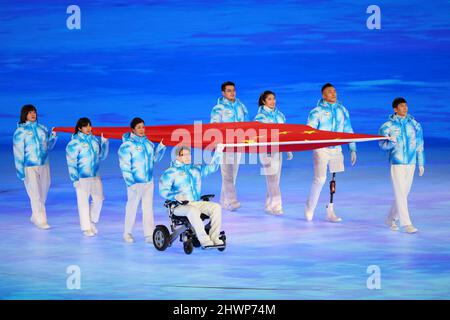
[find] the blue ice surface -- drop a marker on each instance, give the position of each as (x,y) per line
(164,61)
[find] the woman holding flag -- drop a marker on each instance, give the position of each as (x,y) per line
(83,154)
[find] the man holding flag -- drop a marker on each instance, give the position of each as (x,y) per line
(405,149)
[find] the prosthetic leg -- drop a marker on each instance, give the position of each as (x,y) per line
(332,187)
(331,216)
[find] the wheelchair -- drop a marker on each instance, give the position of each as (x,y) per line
(182,229)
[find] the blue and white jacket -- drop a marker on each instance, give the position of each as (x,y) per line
(408,148)
(83,155)
(331,117)
(227,111)
(185,180)
(31,143)
(137,157)
(268,115)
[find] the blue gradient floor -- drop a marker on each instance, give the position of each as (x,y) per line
(267,257)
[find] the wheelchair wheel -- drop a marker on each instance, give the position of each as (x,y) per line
(161,238)
(223,237)
(188,247)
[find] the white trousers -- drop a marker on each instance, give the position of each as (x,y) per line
(401,177)
(229,169)
(271,169)
(194,209)
(89,212)
(37,184)
(323,158)
(140,192)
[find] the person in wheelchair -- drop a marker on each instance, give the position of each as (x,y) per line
(182,182)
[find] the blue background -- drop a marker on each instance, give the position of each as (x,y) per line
(165,60)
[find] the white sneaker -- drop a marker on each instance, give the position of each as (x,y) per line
(234,206)
(89,233)
(128,237)
(277,212)
(149,239)
(410,229)
(309,215)
(391,224)
(218,242)
(94,228)
(43,226)
(331,216)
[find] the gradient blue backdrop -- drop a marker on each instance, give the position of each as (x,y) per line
(165,61)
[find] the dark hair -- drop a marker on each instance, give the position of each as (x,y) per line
(263,97)
(227,83)
(397,101)
(179,149)
(24,112)
(82,122)
(327,85)
(135,122)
